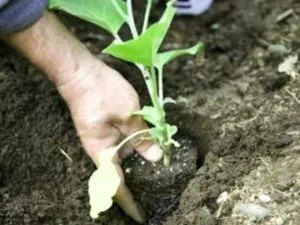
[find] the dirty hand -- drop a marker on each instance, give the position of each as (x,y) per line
(100,100)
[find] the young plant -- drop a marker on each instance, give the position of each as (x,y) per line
(143,51)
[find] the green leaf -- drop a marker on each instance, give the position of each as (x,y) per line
(157,134)
(150,114)
(165,57)
(143,49)
(100,12)
(172,130)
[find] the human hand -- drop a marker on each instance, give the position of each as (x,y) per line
(101,101)
(99,98)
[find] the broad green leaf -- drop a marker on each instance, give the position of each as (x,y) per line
(165,57)
(100,12)
(143,49)
(150,114)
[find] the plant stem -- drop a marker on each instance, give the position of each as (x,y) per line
(160,85)
(146,76)
(155,98)
(153,78)
(147,15)
(152,89)
(131,22)
(150,77)
(118,38)
(128,18)
(167,159)
(120,11)
(157,101)
(119,146)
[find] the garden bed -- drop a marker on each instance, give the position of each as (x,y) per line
(242,115)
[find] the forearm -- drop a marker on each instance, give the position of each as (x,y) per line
(51,47)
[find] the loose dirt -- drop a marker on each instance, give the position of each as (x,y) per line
(234,103)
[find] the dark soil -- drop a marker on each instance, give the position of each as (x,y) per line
(252,138)
(155,185)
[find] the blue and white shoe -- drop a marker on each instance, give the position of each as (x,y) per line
(192,7)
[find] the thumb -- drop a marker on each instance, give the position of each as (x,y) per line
(101,140)
(141,144)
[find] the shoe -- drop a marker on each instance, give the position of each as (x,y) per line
(192,7)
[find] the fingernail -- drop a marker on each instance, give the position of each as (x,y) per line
(154,153)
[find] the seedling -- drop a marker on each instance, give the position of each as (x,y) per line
(143,51)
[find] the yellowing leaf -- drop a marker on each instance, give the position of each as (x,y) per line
(103,184)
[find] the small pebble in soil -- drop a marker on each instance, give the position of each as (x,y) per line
(277,221)
(2,76)
(215,26)
(58,222)
(128,170)
(254,211)
(41,214)
(264,198)
(278,50)
(223,197)
(27,219)
(5,197)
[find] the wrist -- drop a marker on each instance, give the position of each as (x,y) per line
(78,82)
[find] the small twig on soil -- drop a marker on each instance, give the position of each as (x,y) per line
(280,192)
(223,132)
(263,42)
(66,155)
(284,15)
(285,39)
(220,210)
(225,200)
(261,137)
(294,149)
(293,95)
(266,164)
